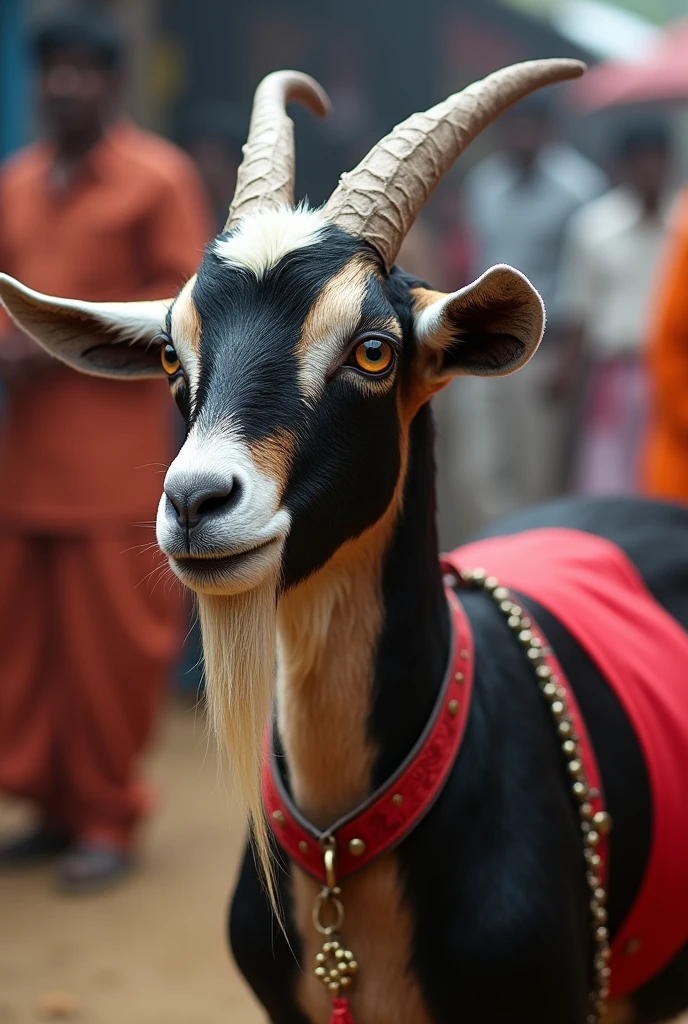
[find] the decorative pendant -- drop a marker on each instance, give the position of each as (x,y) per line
(336,966)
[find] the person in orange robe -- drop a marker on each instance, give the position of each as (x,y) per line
(665,461)
(89,632)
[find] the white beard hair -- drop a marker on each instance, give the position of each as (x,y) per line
(239,648)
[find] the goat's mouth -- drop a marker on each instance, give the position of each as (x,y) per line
(229,572)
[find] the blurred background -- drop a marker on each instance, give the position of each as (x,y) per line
(581,190)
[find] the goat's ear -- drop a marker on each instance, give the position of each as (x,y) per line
(108,339)
(487,329)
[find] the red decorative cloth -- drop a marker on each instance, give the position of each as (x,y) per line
(597,594)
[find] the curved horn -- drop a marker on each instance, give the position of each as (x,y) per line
(380,199)
(266,175)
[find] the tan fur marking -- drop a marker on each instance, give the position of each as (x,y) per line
(423,298)
(331,322)
(379,930)
(620,1012)
(186,324)
(273,456)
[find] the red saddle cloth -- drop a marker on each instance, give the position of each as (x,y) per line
(597,594)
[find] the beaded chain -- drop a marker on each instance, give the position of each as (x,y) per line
(593,825)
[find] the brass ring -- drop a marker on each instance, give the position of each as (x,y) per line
(323,898)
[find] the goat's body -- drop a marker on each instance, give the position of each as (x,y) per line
(492,922)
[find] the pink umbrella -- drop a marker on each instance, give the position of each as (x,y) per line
(663,75)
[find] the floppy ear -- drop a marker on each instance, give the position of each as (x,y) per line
(108,339)
(487,329)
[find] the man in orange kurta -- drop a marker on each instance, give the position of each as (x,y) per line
(665,468)
(89,629)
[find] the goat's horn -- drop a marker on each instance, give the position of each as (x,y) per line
(265,178)
(380,199)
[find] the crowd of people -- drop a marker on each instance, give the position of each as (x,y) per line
(99,209)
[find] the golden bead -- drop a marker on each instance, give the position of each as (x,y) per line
(303,846)
(458,677)
(453,707)
(345,982)
(340,954)
(592,838)
(349,955)
(543,671)
(575,768)
(525,636)
(514,621)
(328,946)
(478,575)
(463,654)
(278,817)
(357,847)
(565,729)
(506,606)
(320,958)
(580,791)
(320,972)
(603,822)
(600,895)
(397,799)
(491,583)
(601,934)
(533,653)
(353,966)
(586,810)
(334,974)
(601,915)
(501,594)
(334,986)
(551,690)
(558,708)
(570,747)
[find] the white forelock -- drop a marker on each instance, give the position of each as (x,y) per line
(262,239)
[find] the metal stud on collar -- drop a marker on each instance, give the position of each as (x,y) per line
(593,825)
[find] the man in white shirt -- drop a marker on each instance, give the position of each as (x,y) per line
(608,270)
(518,204)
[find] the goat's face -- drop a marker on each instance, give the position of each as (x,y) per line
(290,354)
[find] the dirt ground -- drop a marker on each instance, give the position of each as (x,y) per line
(152,951)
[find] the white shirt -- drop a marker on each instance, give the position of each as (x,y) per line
(521,219)
(608,270)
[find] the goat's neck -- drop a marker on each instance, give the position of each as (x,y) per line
(363,646)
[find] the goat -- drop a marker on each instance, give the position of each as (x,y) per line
(300,510)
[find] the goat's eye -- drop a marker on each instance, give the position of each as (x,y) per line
(169,359)
(373,355)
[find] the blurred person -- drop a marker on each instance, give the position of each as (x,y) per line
(664,454)
(518,204)
(97,209)
(608,270)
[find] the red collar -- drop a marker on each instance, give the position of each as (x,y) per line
(396,807)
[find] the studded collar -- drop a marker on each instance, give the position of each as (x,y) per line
(394,809)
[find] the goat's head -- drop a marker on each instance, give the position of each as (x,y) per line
(299,354)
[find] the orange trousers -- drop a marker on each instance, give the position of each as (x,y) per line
(89,633)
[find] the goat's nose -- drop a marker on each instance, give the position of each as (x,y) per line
(192,499)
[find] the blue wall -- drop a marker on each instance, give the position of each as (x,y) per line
(13,76)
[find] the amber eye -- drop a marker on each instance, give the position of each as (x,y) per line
(169,359)
(373,355)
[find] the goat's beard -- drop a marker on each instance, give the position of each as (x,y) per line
(239,648)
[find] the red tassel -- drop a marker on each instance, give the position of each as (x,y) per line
(341,1014)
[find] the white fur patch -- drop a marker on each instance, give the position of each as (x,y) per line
(262,239)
